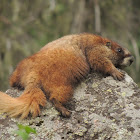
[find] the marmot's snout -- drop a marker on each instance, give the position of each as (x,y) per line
(127,61)
(131,59)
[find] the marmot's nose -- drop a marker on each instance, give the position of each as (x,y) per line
(131,59)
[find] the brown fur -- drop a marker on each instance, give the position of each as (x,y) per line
(57,68)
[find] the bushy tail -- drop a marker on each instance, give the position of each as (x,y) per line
(28,102)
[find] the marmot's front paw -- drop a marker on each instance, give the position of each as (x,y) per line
(117,75)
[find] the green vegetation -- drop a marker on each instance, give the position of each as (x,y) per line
(26,26)
(24,131)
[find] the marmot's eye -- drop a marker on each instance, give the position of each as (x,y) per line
(119,50)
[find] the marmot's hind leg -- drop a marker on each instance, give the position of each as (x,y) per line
(59,96)
(15,80)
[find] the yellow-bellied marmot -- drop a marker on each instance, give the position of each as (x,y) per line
(56,69)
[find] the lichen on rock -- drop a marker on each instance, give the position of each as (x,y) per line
(102,108)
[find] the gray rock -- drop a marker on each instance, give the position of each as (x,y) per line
(102,109)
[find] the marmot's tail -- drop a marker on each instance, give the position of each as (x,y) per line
(28,103)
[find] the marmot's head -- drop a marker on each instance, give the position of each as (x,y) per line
(121,56)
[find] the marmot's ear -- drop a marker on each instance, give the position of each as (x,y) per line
(108,44)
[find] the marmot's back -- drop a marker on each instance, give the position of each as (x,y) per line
(63,41)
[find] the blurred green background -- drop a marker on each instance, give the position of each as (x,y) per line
(27,25)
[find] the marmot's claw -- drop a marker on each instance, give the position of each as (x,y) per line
(117,75)
(65,113)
